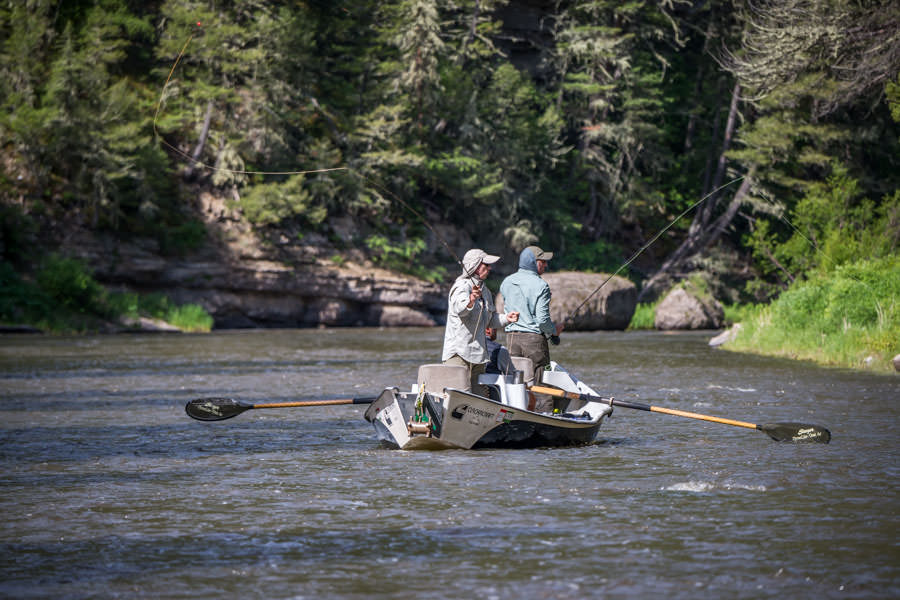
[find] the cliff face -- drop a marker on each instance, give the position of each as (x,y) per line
(259,288)
(246,280)
(262,292)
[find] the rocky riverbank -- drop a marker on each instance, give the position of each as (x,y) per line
(243,283)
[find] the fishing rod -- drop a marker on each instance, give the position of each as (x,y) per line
(569,318)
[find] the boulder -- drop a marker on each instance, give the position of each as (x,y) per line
(684,309)
(147,325)
(611,307)
(726,336)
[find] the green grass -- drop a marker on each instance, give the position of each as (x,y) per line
(63,297)
(644,316)
(842,318)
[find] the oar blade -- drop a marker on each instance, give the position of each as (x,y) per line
(796,432)
(214,409)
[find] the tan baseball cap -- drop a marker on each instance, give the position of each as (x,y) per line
(475,257)
(540,254)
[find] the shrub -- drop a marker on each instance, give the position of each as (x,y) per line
(841,318)
(68,282)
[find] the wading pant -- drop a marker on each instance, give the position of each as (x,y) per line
(535,347)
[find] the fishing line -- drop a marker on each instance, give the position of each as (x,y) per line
(193,160)
(781,216)
(569,318)
(198,163)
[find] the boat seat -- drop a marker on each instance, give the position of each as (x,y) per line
(434,378)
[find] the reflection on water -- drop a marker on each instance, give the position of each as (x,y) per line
(111,490)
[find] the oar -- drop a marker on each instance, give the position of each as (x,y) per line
(780,432)
(218,409)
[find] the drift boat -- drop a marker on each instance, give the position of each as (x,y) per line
(438,413)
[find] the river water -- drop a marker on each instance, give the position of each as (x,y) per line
(111,491)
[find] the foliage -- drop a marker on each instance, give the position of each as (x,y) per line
(402,257)
(68,283)
(842,317)
(64,296)
(187,235)
(271,203)
(644,316)
(830,226)
(741,313)
(599,256)
(589,131)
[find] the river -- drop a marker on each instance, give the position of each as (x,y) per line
(111,491)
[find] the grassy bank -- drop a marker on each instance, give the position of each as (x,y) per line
(62,297)
(849,317)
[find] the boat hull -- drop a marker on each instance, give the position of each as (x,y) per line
(459,419)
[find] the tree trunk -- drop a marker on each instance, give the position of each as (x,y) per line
(198,150)
(696,242)
(473,27)
(703,232)
(706,211)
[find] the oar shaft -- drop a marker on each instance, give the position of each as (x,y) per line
(638,406)
(219,409)
(780,432)
(691,415)
(315,403)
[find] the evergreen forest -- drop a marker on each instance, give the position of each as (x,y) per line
(770,127)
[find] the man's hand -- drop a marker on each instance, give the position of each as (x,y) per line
(474,295)
(512,317)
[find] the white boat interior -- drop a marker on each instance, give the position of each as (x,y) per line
(510,389)
(439,411)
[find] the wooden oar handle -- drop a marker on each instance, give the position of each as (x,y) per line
(691,415)
(315,403)
(638,406)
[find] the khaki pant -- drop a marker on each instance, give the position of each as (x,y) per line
(475,369)
(535,347)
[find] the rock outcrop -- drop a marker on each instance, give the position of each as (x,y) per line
(257,290)
(684,309)
(244,281)
(610,308)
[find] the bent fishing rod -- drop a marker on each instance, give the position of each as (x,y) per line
(569,318)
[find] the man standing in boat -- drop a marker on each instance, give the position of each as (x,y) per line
(470,311)
(525,292)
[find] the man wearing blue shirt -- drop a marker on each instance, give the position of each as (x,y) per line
(526,293)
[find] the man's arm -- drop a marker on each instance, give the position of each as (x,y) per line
(543,312)
(458,302)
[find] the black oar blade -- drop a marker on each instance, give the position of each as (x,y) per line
(796,432)
(214,409)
